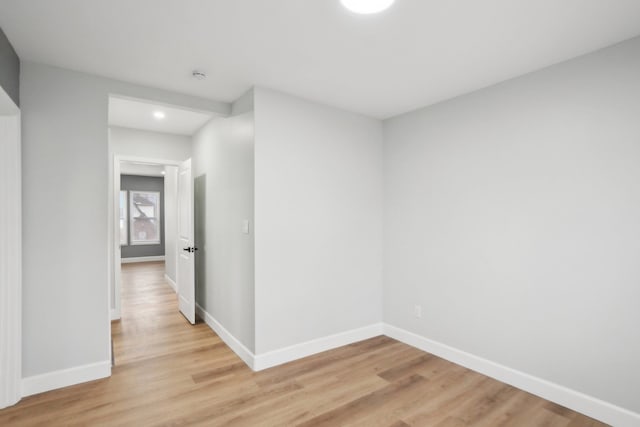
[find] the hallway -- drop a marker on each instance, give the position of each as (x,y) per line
(157,355)
(151,325)
(169,372)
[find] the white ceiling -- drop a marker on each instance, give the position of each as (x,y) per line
(417,53)
(138,114)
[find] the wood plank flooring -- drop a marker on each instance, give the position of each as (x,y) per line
(171,373)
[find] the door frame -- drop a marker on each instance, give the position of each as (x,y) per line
(10,253)
(115,281)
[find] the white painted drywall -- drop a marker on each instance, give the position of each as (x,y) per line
(10,255)
(66,213)
(243,104)
(135,168)
(224,194)
(154,145)
(318,177)
(512,218)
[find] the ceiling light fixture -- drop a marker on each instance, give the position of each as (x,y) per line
(199,75)
(367,7)
(158,115)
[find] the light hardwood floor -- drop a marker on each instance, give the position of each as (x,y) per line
(171,373)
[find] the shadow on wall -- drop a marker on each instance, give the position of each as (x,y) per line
(200,214)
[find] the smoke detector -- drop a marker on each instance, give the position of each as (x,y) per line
(199,75)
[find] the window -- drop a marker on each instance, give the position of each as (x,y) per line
(144,218)
(124,238)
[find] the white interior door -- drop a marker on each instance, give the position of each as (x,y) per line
(186,249)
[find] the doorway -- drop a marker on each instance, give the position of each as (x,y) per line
(145,193)
(146,218)
(151,201)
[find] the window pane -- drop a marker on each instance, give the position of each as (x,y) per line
(123,219)
(145,217)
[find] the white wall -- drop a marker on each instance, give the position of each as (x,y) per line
(318,220)
(155,145)
(10,254)
(65,213)
(224,192)
(512,219)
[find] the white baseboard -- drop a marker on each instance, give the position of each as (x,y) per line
(141,259)
(270,359)
(171,283)
(580,402)
(66,377)
(115,314)
(308,348)
(238,348)
(556,393)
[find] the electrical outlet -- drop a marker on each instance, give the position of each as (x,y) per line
(417,311)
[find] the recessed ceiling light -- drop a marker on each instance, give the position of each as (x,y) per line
(158,115)
(367,7)
(163,172)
